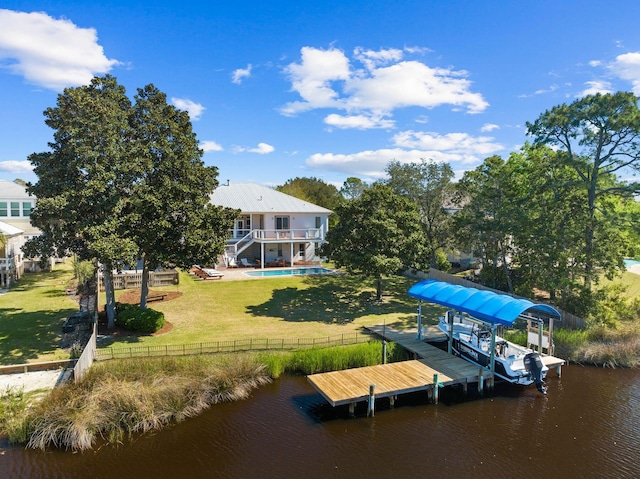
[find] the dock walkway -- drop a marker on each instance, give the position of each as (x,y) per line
(352,385)
(407,339)
(430,365)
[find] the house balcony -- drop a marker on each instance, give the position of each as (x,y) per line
(239,240)
(275,236)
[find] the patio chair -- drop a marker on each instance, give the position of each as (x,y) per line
(244,263)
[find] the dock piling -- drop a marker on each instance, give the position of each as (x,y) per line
(372,400)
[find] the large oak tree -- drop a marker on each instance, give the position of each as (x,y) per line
(124,182)
(377,234)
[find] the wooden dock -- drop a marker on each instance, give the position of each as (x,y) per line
(421,374)
(352,385)
(430,366)
(407,339)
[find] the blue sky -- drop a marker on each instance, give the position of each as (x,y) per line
(331,89)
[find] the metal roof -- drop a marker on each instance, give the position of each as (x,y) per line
(484,305)
(9,230)
(254,198)
(10,190)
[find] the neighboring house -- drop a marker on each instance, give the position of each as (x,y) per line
(273,228)
(15,209)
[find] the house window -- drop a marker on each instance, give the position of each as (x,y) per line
(15,208)
(301,250)
(282,222)
(3,208)
(279,251)
(318,222)
(26,208)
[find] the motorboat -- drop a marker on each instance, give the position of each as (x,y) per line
(471,340)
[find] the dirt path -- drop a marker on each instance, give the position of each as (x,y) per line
(31,381)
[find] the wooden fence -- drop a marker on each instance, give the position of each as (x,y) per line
(87,357)
(568,321)
(134,280)
(232,346)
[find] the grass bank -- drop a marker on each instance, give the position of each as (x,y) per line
(279,307)
(31,317)
(121,398)
(596,346)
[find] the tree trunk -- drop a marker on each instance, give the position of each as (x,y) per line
(107,278)
(379,288)
(144,290)
(507,272)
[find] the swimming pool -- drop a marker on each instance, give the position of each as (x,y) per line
(630,262)
(288,272)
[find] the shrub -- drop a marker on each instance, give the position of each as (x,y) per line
(130,316)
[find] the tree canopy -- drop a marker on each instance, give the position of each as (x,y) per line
(313,190)
(599,137)
(377,234)
(427,184)
(124,182)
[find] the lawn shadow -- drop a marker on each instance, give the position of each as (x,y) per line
(341,299)
(26,335)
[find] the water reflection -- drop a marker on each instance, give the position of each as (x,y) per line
(587,426)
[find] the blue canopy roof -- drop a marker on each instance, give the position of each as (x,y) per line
(485,305)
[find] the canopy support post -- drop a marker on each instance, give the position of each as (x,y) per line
(449,317)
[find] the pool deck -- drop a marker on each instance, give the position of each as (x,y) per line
(236,274)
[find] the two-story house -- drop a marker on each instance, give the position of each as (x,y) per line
(15,227)
(273,228)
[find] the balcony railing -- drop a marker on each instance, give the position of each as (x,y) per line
(243,238)
(314,234)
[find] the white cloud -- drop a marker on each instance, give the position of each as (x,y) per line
(194,109)
(312,79)
(209,145)
(365,163)
(467,147)
(411,147)
(14,166)
(52,53)
(326,79)
(261,149)
(487,127)
(360,122)
(595,63)
(627,67)
(372,59)
(596,86)
(241,73)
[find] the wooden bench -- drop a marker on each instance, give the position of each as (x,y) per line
(156,297)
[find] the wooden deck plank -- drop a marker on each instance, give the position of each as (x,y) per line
(352,385)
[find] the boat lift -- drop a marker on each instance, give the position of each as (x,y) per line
(489,310)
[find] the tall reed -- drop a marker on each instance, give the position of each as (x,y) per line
(122,398)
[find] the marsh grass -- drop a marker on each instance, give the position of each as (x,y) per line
(121,398)
(598,345)
(320,360)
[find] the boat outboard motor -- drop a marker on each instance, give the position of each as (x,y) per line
(533,364)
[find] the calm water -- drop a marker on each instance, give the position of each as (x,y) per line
(588,426)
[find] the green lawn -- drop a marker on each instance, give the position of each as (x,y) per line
(31,317)
(33,310)
(280,307)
